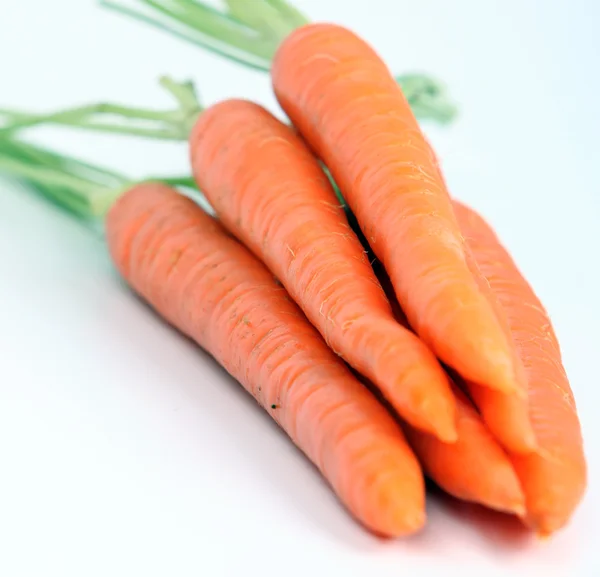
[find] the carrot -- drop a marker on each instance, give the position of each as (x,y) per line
(553,478)
(474,468)
(211,288)
(269,190)
(506,416)
(345,103)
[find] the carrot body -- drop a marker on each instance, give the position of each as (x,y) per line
(211,288)
(474,467)
(506,416)
(346,104)
(269,190)
(554,478)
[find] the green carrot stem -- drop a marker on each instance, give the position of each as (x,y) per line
(154,133)
(185,181)
(23,119)
(44,175)
(116,118)
(27,152)
(426,96)
(204,25)
(266,23)
(158,134)
(84,189)
(262,16)
(292,15)
(183,32)
(247,32)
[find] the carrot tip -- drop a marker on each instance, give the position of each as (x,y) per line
(543,535)
(402,524)
(437,416)
(415,522)
(504,379)
(545,526)
(509,387)
(527,445)
(531,444)
(447,435)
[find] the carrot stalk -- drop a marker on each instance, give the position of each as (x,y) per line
(554,477)
(217,30)
(83,189)
(269,191)
(174,124)
(345,103)
(250,34)
(425,95)
(239,33)
(211,288)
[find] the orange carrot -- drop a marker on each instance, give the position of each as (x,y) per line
(554,478)
(269,190)
(474,468)
(211,288)
(345,103)
(506,416)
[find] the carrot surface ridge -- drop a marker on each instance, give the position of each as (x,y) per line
(270,191)
(345,103)
(506,415)
(475,467)
(202,281)
(553,478)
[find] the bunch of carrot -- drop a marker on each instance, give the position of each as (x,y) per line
(407,344)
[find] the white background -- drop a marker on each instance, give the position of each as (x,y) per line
(125,451)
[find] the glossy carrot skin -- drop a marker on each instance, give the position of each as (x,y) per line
(212,289)
(554,478)
(269,190)
(346,104)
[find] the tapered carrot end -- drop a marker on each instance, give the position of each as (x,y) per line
(403,523)
(507,496)
(507,418)
(517,508)
(414,522)
(436,415)
(446,431)
(396,507)
(503,377)
(546,525)
(529,443)
(494,368)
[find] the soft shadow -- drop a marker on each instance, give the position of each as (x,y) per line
(285,469)
(503,532)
